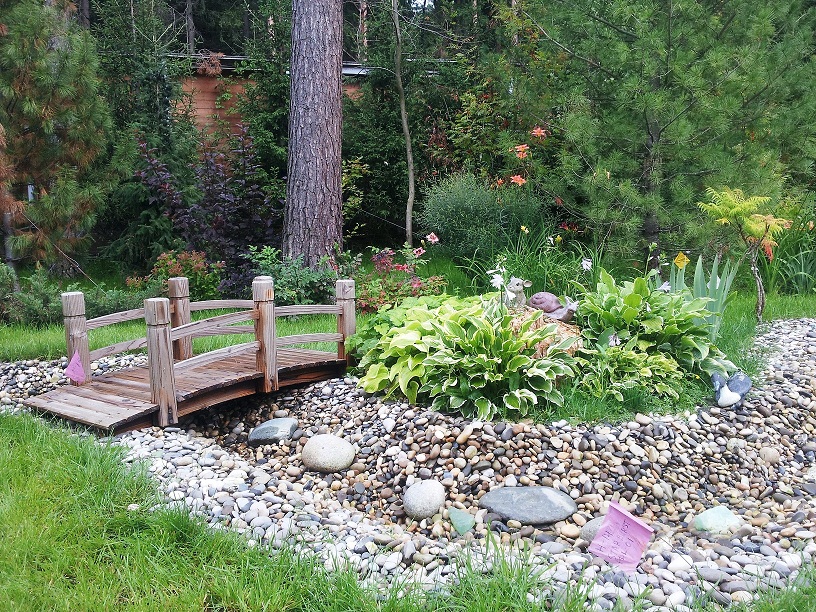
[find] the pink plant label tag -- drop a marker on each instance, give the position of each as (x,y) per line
(75,371)
(621,539)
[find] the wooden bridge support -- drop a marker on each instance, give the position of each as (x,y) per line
(346,319)
(76,330)
(178,290)
(263,295)
(160,359)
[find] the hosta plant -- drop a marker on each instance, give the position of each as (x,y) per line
(371,329)
(658,321)
(716,287)
(612,370)
(466,358)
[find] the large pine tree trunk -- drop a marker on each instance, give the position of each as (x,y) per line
(313,215)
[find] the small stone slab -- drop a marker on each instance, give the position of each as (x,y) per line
(718,520)
(327,453)
(529,505)
(462,521)
(272,432)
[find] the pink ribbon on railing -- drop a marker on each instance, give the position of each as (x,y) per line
(75,371)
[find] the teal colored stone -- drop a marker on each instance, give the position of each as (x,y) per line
(462,521)
(718,519)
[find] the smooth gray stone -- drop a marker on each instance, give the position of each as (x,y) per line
(739,383)
(327,453)
(529,505)
(590,529)
(423,499)
(272,431)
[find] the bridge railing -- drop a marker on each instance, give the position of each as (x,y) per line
(170,332)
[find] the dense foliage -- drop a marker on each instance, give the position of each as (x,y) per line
(467,358)
(657,321)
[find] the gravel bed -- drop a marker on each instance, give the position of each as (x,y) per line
(755,458)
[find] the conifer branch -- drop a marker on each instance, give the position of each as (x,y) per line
(567,50)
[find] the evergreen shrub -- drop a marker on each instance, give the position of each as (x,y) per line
(469,217)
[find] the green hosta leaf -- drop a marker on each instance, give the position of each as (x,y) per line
(633,300)
(376,378)
(411,390)
(641,287)
(652,323)
(405,339)
(484,409)
(517,362)
(629,314)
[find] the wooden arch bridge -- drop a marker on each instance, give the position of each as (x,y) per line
(175,382)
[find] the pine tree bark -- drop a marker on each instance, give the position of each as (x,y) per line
(313,216)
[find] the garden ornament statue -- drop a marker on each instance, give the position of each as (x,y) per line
(552,306)
(514,295)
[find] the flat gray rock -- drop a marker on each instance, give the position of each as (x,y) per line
(272,431)
(529,505)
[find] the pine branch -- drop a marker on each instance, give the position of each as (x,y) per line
(567,50)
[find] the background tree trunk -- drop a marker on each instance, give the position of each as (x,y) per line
(313,216)
(406,132)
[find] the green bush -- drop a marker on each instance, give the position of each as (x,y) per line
(394,278)
(39,304)
(792,269)
(612,370)
(295,283)
(204,277)
(466,358)
(536,256)
(372,329)
(658,321)
(469,217)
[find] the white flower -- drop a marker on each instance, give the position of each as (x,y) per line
(497,281)
(586,264)
(614,340)
(551,240)
(665,287)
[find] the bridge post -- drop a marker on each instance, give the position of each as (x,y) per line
(160,359)
(76,330)
(178,290)
(266,360)
(347,319)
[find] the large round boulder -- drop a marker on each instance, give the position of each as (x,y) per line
(423,499)
(327,453)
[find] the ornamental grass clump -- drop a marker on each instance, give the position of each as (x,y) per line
(466,358)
